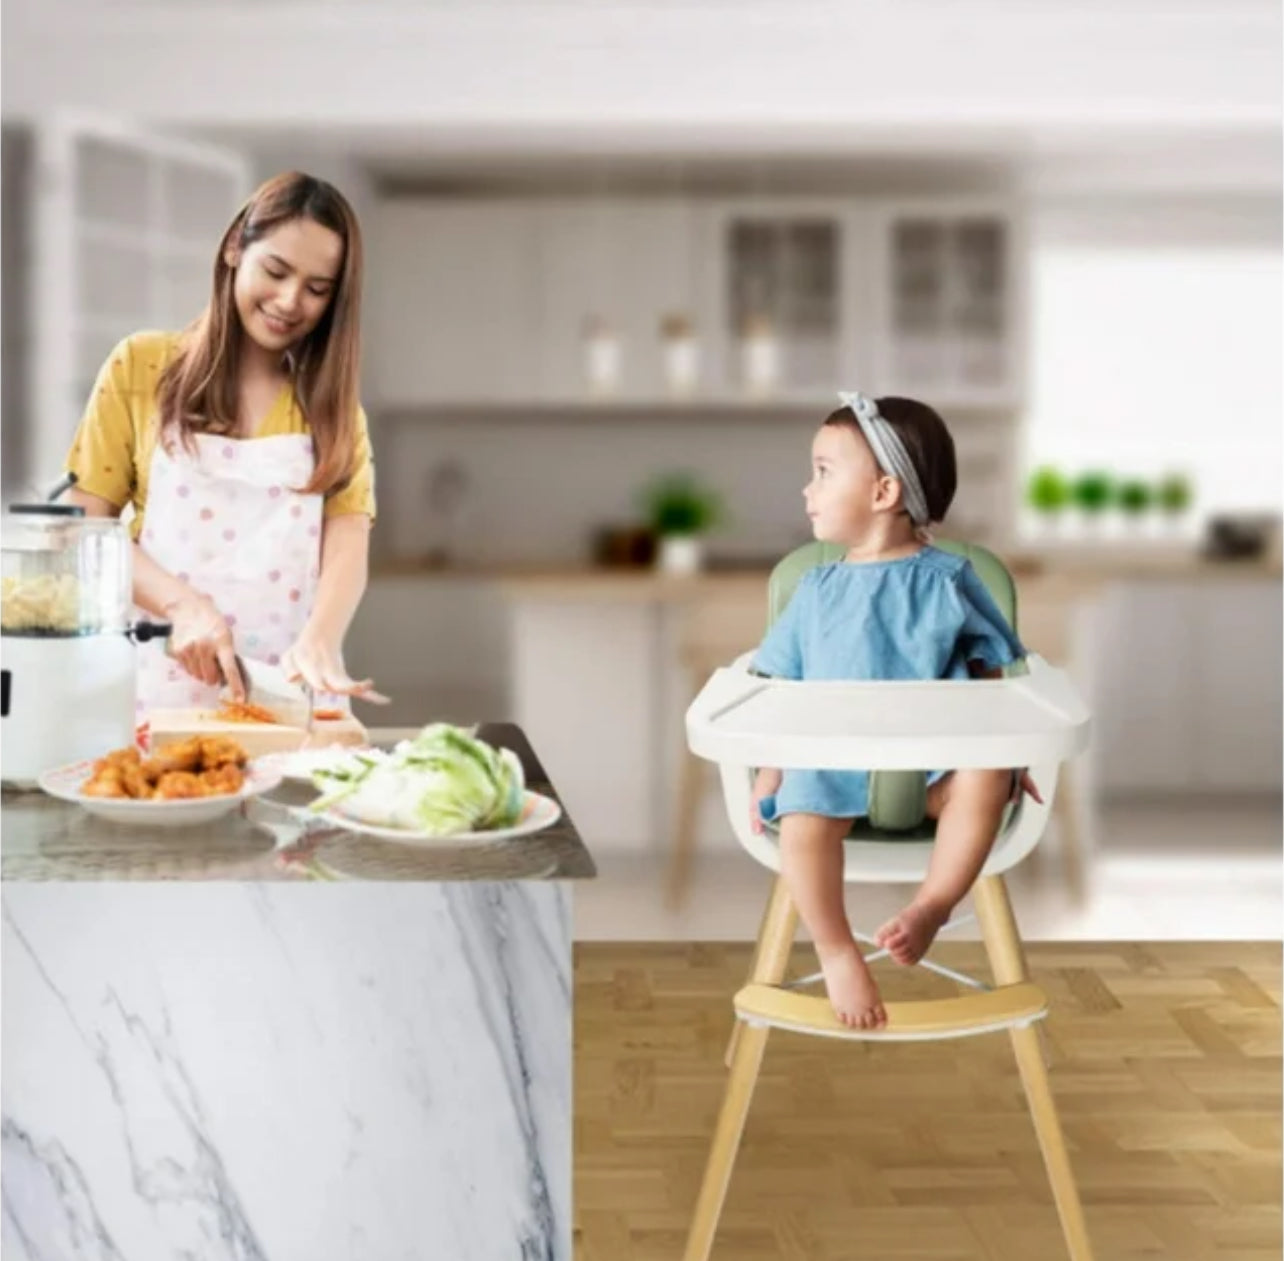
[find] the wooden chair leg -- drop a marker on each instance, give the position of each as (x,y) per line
(771,959)
(773,908)
(690,786)
(726,1142)
(1007,959)
(1071,833)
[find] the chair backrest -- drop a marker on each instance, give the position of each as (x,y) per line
(990,569)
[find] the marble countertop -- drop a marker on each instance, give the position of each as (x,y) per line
(248,1072)
(47,839)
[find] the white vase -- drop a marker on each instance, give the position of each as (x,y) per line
(760,363)
(602,362)
(680,553)
(681,364)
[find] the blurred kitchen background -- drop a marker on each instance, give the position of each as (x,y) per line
(619,260)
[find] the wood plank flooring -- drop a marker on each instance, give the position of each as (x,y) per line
(1166,1071)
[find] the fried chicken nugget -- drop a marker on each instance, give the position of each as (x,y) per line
(178,785)
(118,758)
(151,769)
(219,751)
(222,780)
(104,783)
(183,756)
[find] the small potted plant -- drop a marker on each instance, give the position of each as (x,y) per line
(1134,498)
(1174,495)
(680,511)
(1048,493)
(1092,493)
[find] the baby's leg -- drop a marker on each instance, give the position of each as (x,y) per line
(811,862)
(968,806)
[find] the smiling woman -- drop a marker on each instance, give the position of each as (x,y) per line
(243,450)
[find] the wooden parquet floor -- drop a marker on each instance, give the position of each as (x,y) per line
(1166,1069)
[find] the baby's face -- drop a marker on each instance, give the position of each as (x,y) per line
(847,488)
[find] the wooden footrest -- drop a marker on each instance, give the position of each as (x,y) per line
(986,1011)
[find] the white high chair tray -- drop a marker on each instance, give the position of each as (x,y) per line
(744,720)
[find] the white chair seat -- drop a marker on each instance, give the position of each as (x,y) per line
(1041,715)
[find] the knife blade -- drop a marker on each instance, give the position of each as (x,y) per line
(266,685)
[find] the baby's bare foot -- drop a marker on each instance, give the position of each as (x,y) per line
(850,987)
(908,934)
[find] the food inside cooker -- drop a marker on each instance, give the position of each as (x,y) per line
(44,602)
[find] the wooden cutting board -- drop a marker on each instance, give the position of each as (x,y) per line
(169,726)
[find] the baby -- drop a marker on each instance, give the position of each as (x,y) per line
(893,608)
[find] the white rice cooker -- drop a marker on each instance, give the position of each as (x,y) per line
(67,642)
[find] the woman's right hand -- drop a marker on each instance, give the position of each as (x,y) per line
(201,642)
(765,783)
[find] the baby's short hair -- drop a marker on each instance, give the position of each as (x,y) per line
(927,442)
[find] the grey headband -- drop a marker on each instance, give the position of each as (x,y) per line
(890,453)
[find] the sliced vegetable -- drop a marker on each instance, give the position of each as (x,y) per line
(442,782)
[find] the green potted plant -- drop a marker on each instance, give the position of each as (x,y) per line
(681,510)
(1092,493)
(1048,493)
(1134,498)
(1174,495)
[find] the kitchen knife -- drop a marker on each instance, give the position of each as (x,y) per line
(266,685)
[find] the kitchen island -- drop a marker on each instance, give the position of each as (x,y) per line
(272,1073)
(376,1065)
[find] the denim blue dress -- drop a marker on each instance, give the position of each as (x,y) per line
(923,616)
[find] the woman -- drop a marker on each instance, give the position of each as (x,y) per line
(244,453)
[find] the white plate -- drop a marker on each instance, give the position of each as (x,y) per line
(64,783)
(300,764)
(538,812)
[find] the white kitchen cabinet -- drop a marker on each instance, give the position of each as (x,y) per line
(1143,706)
(454,290)
(584,691)
(1236,683)
(948,302)
(1187,697)
(482,301)
(796,269)
(626,262)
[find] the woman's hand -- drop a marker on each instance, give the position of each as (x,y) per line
(316,661)
(201,642)
(765,783)
(1026,785)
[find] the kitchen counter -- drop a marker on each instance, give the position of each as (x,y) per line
(240,1072)
(586,582)
(47,839)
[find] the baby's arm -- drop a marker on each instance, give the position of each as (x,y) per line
(765,784)
(779,656)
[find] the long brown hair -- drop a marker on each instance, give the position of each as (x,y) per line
(197,391)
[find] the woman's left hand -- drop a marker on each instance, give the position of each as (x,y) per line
(319,664)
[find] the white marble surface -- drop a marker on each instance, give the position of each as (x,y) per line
(271,1073)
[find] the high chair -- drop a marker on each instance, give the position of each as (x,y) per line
(1030,718)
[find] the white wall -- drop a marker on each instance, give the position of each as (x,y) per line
(540,485)
(1156,343)
(833,71)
